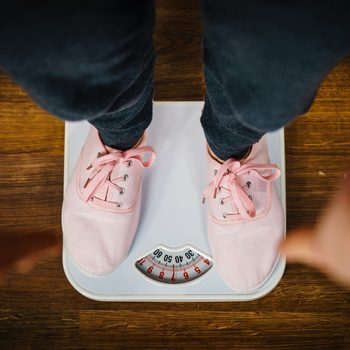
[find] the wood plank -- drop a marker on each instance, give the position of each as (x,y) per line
(210,330)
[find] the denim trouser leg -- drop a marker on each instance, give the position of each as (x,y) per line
(84,60)
(263,63)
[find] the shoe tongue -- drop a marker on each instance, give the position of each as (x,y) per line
(93,149)
(255,189)
(108,191)
(253,186)
(102,191)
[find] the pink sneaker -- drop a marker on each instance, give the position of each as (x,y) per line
(102,202)
(245,218)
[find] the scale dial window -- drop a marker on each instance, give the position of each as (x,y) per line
(172,266)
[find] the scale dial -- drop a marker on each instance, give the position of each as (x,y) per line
(174,265)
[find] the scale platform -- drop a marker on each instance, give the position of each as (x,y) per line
(169,259)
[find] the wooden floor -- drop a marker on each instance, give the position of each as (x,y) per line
(41,310)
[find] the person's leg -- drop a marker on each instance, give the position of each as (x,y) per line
(264,61)
(84,60)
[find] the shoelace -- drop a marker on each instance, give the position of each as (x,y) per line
(229,172)
(104,165)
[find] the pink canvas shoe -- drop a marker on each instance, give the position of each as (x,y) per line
(101,206)
(245,218)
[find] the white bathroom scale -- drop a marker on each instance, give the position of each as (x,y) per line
(169,259)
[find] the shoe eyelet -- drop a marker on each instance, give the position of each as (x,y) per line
(224,215)
(248,184)
(99,154)
(122,190)
(125,177)
(250,197)
(222,201)
(215,171)
(119,204)
(129,163)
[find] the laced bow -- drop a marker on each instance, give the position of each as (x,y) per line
(226,179)
(103,166)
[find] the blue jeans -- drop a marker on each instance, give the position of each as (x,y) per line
(94,60)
